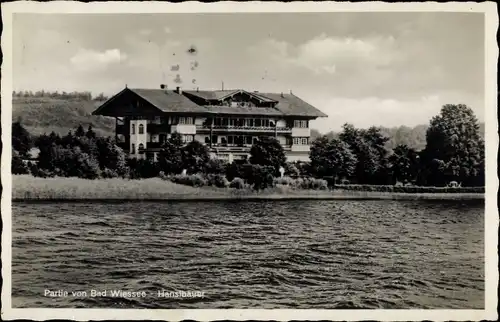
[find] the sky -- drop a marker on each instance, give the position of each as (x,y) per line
(371,68)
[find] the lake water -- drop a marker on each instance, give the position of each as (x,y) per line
(291,254)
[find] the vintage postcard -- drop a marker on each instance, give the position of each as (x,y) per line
(249,161)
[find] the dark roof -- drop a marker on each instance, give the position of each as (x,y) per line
(212,95)
(290,104)
(168,100)
(171,101)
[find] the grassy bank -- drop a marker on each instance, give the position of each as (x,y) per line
(25,187)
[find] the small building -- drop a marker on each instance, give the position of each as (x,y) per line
(228,121)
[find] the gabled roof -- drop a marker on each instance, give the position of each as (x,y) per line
(289,104)
(222,94)
(169,101)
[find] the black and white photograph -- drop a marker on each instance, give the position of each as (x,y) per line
(258,161)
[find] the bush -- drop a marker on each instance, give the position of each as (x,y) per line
(291,170)
(237,183)
(285,181)
(193,180)
(312,184)
(215,166)
(217,180)
(44,173)
(19,166)
(140,168)
(234,170)
(163,176)
(108,173)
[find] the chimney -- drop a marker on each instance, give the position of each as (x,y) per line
(197,89)
(179,90)
(291,92)
(164,87)
(282,94)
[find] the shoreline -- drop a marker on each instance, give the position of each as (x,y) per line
(26,188)
(269,197)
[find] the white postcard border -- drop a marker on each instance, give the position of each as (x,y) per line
(491,217)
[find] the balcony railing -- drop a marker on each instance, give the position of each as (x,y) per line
(157,128)
(244,128)
(220,147)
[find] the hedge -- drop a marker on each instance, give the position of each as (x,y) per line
(409,189)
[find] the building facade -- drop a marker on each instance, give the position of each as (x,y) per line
(227,121)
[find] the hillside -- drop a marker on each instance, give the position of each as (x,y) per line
(44,115)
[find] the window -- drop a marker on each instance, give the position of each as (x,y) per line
(141,129)
(301,141)
(132,150)
(257,122)
(133,129)
(207,140)
(301,123)
(230,139)
(250,122)
(187,138)
(248,140)
(141,147)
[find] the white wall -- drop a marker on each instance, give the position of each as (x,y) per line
(137,138)
(301,132)
(184,128)
(281,123)
(199,120)
(282,139)
(300,148)
(200,137)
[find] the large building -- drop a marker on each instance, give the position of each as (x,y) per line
(228,121)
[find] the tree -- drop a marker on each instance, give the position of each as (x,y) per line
(80,131)
(454,143)
(369,148)
(170,156)
(195,156)
(21,139)
(90,133)
(332,158)
(267,151)
(18,165)
(404,163)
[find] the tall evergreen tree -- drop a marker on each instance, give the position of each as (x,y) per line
(22,141)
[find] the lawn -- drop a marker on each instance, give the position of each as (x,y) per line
(26,187)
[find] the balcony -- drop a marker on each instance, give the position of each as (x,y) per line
(158,128)
(219,147)
(233,128)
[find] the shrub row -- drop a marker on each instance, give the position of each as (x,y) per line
(409,189)
(302,183)
(200,180)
